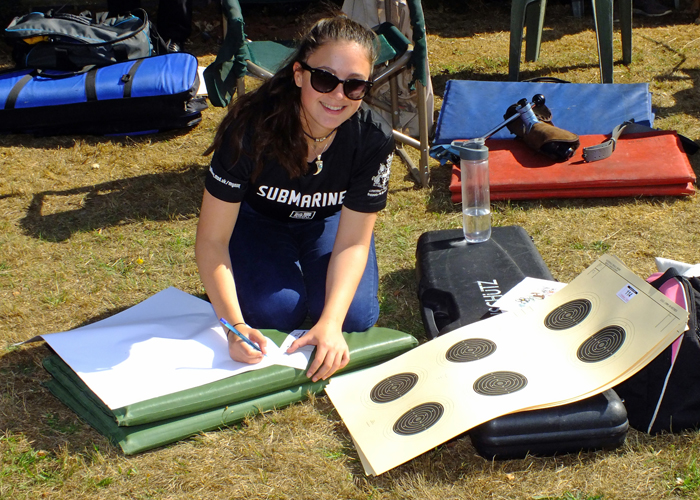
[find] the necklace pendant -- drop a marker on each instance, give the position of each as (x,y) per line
(319,165)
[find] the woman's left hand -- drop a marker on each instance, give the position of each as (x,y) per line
(332,351)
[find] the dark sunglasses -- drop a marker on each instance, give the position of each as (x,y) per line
(325,82)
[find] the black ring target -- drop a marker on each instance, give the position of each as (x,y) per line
(392,388)
(602,345)
(499,383)
(568,315)
(418,419)
(470,350)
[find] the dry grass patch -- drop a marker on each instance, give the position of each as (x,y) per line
(92,225)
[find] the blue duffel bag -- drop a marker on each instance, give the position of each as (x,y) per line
(134,97)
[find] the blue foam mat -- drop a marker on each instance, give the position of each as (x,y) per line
(472,108)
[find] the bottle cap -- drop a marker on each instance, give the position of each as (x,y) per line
(471,150)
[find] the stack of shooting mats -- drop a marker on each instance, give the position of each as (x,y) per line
(645,164)
(160,371)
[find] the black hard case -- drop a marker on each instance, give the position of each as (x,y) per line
(457,285)
(598,422)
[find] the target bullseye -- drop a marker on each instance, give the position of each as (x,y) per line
(499,383)
(418,419)
(392,388)
(470,350)
(568,315)
(601,345)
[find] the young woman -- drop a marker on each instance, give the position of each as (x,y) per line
(299,171)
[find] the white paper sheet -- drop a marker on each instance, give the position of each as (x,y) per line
(527,291)
(202,89)
(170,342)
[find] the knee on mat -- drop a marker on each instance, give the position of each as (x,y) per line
(361,319)
(282,311)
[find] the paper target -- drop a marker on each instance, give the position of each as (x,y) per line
(470,350)
(602,344)
(499,383)
(580,341)
(568,315)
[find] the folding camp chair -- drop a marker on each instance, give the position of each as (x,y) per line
(261,59)
(239,55)
(383,15)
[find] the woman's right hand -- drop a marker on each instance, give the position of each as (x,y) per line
(241,351)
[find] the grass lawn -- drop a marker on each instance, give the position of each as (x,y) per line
(91,225)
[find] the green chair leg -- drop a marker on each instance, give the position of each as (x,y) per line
(577,8)
(534,19)
(517,23)
(626,30)
(523,11)
(603,17)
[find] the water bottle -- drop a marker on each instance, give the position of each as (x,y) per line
(476,200)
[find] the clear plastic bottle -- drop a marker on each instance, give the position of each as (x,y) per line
(476,199)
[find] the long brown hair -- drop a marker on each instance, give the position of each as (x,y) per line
(269,118)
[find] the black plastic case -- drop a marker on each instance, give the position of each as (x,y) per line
(458,283)
(598,422)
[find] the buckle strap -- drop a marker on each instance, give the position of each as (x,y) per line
(605,149)
(13,95)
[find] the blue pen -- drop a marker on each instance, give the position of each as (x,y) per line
(242,337)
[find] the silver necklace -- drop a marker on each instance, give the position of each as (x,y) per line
(319,161)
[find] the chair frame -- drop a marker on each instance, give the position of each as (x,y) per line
(420,173)
(410,57)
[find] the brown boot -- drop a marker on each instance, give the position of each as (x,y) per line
(542,135)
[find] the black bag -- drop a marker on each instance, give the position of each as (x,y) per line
(665,394)
(70,42)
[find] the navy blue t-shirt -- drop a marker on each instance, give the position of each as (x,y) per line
(355,174)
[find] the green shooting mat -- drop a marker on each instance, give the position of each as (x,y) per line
(166,419)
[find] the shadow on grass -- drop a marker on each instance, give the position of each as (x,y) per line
(686,101)
(30,410)
(439,80)
(56,215)
(455,19)
(52,142)
(399,306)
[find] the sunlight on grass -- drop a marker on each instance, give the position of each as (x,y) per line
(687,481)
(80,243)
(55,299)
(570,496)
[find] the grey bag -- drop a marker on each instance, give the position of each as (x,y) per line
(71,42)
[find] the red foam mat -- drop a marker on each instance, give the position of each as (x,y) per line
(648,164)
